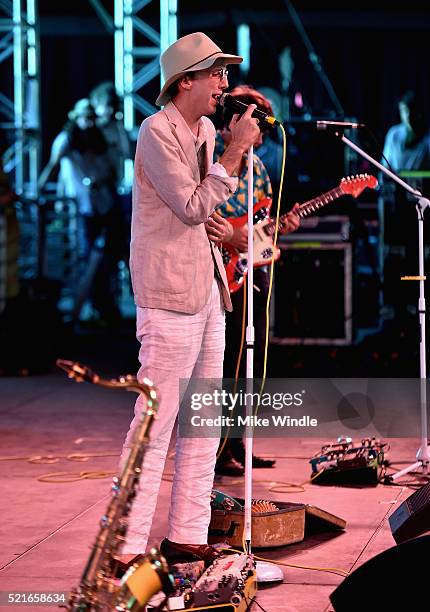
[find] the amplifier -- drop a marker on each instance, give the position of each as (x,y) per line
(332,228)
(312,301)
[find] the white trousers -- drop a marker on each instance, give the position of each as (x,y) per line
(175,346)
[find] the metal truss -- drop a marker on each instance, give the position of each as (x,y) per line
(20,106)
(137,51)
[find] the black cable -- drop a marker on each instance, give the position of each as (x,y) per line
(314,59)
(379,149)
(251,601)
(413,486)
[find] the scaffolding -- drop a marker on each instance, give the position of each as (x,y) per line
(20,105)
(137,50)
(138,46)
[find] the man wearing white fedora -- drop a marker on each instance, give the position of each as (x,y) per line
(179,282)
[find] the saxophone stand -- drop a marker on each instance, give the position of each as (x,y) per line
(423,453)
(266,572)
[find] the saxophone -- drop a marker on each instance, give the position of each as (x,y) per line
(99,589)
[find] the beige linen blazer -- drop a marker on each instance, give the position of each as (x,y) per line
(171,258)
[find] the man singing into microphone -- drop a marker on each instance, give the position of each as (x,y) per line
(179,281)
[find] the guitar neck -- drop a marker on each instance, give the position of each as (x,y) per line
(316,203)
(309,207)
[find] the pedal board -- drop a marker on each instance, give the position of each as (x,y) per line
(229,584)
(344,462)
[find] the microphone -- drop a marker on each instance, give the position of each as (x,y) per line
(227,101)
(338,125)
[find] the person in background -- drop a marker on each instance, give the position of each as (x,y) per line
(109,119)
(407,144)
(231,460)
(406,152)
(88,175)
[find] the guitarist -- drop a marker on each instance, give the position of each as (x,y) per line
(230,462)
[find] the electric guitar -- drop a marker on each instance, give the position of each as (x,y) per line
(236,263)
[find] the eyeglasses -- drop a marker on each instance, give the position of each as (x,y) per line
(220,74)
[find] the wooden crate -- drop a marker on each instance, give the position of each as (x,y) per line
(269,529)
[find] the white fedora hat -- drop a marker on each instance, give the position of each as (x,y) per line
(189,53)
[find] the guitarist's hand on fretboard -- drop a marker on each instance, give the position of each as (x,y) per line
(291,222)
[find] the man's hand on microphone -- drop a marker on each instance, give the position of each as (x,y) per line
(244,129)
(218,229)
(244,133)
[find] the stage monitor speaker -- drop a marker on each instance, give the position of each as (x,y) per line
(393,580)
(412,517)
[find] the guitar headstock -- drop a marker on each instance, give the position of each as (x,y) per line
(355,185)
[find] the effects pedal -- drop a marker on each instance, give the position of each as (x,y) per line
(231,579)
(344,462)
(228,585)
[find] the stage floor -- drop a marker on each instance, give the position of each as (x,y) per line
(48,528)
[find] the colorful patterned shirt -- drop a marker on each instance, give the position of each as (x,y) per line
(237,204)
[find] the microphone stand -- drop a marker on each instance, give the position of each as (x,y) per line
(423,453)
(266,572)
(250,335)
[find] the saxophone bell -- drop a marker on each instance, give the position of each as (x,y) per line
(143,580)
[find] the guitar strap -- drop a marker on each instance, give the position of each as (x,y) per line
(201,159)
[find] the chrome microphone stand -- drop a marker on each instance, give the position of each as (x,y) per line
(250,335)
(423,453)
(266,572)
